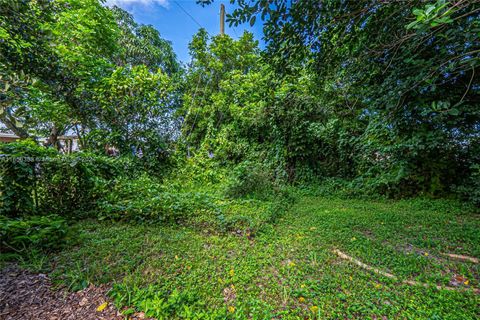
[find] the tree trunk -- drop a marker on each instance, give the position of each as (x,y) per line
(52,138)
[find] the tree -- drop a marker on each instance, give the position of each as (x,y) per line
(25,55)
(135,110)
(58,57)
(51,47)
(238,110)
(212,63)
(408,68)
(142,45)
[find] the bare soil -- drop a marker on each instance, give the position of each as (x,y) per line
(25,295)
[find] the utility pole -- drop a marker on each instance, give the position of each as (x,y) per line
(222,19)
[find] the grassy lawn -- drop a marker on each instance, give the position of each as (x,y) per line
(288,270)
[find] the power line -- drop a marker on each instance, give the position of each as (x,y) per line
(188,14)
(233,28)
(199,79)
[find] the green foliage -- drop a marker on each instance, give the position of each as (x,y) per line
(249,179)
(470,191)
(383,94)
(146,200)
(199,170)
(51,85)
(390,101)
(161,269)
(142,45)
(236,111)
(18,177)
(211,115)
(24,51)
(42,66)
(70,185)
(32,233)
(303,132)
(135,111)
(433,15)
(39,180)
(349,99)
(159,304)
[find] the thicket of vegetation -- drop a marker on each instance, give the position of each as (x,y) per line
(384,94)
(353,98)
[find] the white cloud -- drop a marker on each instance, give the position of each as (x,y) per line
(121,3)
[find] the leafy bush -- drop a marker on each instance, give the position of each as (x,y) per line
(37,180)
(144,199)
(470,191)
(19,167)
(282,202)
(71,184)
(250,179)
(34,232)
(147,200)
(196,170)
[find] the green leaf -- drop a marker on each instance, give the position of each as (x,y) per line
(454,112)
(429,9)
(412,25)
(418,12)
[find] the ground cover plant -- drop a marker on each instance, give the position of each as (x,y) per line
(331,171)
(289,269)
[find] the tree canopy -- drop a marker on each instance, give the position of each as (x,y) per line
(60,56)
(384,94)
(402,74)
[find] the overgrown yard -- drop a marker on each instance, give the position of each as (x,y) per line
(325,168)
(289,270)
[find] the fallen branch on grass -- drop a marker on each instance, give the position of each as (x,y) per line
(461,257)
(391,276)
(363,265)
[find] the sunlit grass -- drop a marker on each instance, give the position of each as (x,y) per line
(288,270)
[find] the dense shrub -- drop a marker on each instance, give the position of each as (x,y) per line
(145,199)
(19,167)
(470,191)
(250,179)
(36,180)
(34,232)
(71,184)
(197,170)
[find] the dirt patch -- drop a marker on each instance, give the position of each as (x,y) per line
(229,294)
(25,295)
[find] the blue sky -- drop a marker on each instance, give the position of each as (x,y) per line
(175,25)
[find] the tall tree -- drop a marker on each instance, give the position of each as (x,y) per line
(25,55)
(134,110)
(410,68)
(143,45)
(213,61)
(51,47)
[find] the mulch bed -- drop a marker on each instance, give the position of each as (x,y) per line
(25,295)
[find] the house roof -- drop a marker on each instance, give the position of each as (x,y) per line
(8,135)
(13,136)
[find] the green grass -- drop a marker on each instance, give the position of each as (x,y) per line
(288,269)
